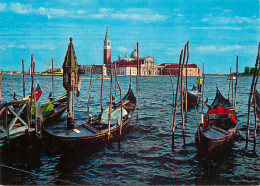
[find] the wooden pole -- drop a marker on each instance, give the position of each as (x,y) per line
(230,82)
(182,110)
(176,97)
(0,83)
(255,111)
(101,94)
(203,87)
(115,83)
(236,83)
(137,91)
(186,91)
(90,86)
(32,87)
(121,99)
(250,96)
(111,99)
(232,76)
(23,79)
(53,78)
(172,89)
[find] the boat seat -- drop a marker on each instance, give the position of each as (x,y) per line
(220,130)
(222,121)
(91,128)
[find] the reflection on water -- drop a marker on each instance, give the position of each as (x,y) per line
(145,155)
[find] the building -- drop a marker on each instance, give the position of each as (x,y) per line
(173,69)
(127,65)
(107,49)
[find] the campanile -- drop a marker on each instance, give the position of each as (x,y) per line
(107,49)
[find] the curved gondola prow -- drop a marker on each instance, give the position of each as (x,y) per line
(129,97)
(220,100)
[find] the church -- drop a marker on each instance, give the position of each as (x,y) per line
(128,64)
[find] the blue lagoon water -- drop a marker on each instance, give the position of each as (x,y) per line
(145,155)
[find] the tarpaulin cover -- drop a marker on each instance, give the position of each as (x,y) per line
(47,107)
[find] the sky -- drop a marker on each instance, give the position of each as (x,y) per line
(217,31)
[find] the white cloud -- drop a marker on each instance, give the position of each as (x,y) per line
(228,20)
(180,15)
(51,12)
(122,49)
(212,48)
(2,48)
(209,48)
(97,16)
(139,17)
(21,8)
(217,28)
(81,12)
(230,47)
(105,10)
(2,7)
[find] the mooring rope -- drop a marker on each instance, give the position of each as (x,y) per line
(28,172)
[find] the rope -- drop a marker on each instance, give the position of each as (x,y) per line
(24,171)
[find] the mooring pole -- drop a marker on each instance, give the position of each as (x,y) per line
(232,89)
(101,94)
(70,81)
(172,89)
(182,110)
(250,96)
(176,97)
(52,79)
(203,87)
(121,99)
(235,102)
(32,87)
(111,99)
(255,111)
(0,83)
(230,77)
(186,91)
(23,79)
(90,86)
(137,94)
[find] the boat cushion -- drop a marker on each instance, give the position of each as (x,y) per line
(47,107)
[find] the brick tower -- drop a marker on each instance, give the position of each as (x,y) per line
(107,49)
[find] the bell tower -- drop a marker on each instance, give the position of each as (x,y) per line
(107,49)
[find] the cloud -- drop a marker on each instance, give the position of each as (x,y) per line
(228,20)
(2,48)
(212,48)
(81,12)
(2,7)
(209,48)
(217,28)
(136,14)
(105,10)
(122,49)
(51,12)
(21,8)
(139,17)
(97,16)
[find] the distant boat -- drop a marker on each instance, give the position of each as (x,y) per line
(56,72)
(234,78)
(104,77)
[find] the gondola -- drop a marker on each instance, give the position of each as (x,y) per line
(218,127)
(96,128)
(53,110)
(38,93)
(192,97)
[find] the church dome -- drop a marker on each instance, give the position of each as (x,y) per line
(134,54)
